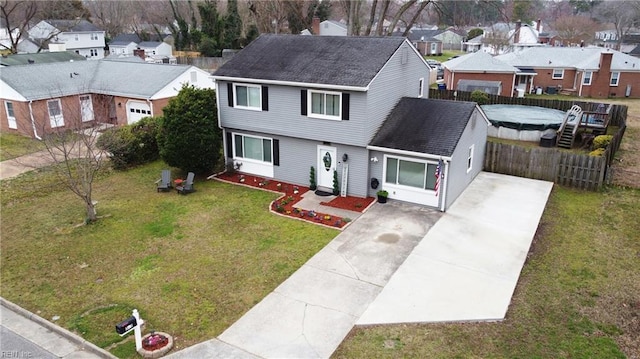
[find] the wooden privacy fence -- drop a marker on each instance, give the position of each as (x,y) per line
(565,168)
(549,164)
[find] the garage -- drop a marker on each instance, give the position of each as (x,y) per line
(137,110)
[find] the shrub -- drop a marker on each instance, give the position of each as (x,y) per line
(336,184)
(599,152)
(480,97)
(602,141)
(312,178)
(189,137)
(131,145)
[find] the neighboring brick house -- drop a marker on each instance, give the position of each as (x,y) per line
(38,98)
(581,71)
(479,67)
(351,107)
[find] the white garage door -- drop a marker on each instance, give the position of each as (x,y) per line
(137,110)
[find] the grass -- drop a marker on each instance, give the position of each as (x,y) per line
(576,297)
(15,146)
(445,55)
(192,265)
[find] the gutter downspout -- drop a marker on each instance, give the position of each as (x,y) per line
(33,121)
(444,188)
(150,106)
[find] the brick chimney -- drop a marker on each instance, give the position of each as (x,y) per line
(600,84)
(538,26)
(516,33)
(315,25)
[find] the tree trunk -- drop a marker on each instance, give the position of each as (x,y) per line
(372,18)
(92,215)
(415,17)
(383,14)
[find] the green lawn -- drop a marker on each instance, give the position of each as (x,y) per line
(192,265)
(445,55)
(13,146)
(577,296)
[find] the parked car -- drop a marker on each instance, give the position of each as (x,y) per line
(438,66)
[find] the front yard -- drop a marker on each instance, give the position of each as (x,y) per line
(192,265)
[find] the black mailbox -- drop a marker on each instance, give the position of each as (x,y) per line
(126,325)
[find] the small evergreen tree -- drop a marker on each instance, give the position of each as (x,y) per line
(189,137)
(312,179)
(232,26)
(336,184)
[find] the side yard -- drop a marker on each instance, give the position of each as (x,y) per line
(192,265)
(577,295)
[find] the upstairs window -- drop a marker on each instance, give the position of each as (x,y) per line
(251,97)
(248,96)
(325,104)
(557,74)
(94,36)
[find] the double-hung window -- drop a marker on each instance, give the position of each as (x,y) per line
(586,78)
(55,113)
(615,78)
(325,104)
(410,173)
(248,96)
(557,74)
(253,148)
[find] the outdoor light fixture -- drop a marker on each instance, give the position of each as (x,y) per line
(374,159)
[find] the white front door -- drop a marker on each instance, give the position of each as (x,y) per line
(326,165)
(86,108)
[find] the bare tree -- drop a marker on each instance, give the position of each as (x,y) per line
(575,29)
(69,127)
(624,15)
(16,20)
(269,15)
(497,40)
(112,16)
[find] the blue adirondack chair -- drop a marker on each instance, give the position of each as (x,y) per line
(164,183)
(186,186)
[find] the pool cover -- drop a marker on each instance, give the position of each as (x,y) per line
(527,118)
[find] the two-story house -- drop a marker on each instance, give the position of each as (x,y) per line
(354,108)
(80,36)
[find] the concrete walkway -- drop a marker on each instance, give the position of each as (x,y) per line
(464,268)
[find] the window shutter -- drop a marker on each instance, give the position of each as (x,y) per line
(276,152)
(265,98)
(303,102)
(229,145)
(230,93)
(345,106)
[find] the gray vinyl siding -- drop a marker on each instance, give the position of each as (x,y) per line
(396,80)
(459,179)
(375,171)
(298,155)
(367,110)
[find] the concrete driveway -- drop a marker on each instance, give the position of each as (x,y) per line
(396,263)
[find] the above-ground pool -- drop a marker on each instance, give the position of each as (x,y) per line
(519,122)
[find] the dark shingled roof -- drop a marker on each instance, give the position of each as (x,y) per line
(73,25)
(424,126)
(331,60)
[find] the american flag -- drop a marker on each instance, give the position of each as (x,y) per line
(438,175)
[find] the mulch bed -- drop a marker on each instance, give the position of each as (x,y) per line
(292,194)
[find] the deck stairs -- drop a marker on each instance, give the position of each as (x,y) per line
(569,128)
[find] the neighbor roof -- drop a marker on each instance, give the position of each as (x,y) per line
(478,61)
(73,25)
(424,126)
(129,79)
(40,58)
(330,60)
(583,58)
